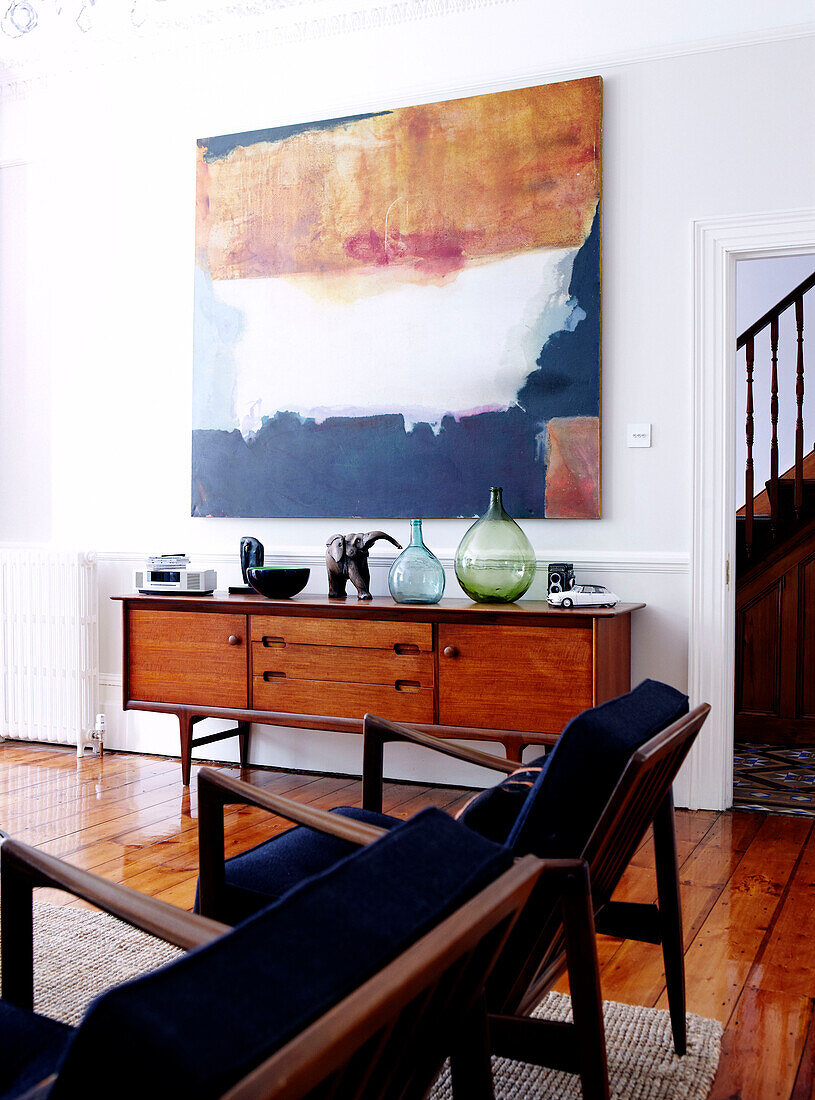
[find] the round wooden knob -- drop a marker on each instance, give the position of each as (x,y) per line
(234,639)
(450,651)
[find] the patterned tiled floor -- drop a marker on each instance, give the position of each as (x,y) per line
(775,779)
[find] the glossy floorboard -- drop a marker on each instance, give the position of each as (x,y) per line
(748,885)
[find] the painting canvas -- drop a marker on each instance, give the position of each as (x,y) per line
(396,310)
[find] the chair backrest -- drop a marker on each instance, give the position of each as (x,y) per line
(201,1024)
(585,765)
(641,790)
(551,807)
(536,954)
(388,1039)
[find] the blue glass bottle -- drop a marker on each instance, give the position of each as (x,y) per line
(417,576)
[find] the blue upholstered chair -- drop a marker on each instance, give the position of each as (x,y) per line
(356,954)
(548,807)
(594,795)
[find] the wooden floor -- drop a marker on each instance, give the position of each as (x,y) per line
(748,889)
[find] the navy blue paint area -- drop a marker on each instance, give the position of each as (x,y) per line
(567,382)
(371,467)
(218,148)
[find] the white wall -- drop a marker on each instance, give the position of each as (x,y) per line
(25,405)
(687,134)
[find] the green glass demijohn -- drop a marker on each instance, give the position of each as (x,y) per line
(495,562)
(417,576)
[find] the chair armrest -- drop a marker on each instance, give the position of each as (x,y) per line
(377,731)
(216,790)
(217,787)
(22,869)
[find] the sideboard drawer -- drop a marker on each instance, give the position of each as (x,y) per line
(277,629)
(187,658)
(402,703)
(342,665)
(343,668)
(514,677)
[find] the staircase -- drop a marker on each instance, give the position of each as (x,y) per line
(775,563)
(773,531)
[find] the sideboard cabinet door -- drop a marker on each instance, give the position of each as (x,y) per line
(514,677)
(187,658)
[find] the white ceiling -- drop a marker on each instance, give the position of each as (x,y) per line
(71,34)
(51,35)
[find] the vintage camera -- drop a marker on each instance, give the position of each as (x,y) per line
(561,577)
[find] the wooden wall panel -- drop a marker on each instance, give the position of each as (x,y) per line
(758,639)
(775,653)
(806,599)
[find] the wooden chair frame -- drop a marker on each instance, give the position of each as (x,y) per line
(578,1047)
(642,797)
(381,1040)
(23,869)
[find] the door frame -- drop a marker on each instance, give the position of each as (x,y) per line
(707,781)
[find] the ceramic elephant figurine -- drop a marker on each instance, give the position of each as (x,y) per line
(346,557)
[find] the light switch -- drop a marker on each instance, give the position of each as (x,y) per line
(639,435)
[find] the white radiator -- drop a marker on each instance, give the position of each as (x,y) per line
(49,645)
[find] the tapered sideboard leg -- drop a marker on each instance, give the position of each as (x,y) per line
(185,722)
(243,740)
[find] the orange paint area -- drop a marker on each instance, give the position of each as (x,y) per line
(572,468)
(415,194)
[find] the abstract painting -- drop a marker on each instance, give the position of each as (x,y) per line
(396,310)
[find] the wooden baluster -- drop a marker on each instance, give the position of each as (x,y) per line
(799,423)
(748,473)
(774,421)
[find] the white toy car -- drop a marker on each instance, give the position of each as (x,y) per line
(584,595)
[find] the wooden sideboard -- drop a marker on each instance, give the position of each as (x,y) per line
(515,672)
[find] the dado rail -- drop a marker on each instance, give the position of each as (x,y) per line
(514,673)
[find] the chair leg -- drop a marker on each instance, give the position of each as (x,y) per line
(17,949)
(584,983)
(670,912)
(471,1063)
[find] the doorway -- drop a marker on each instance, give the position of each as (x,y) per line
(774,470)
(718,244)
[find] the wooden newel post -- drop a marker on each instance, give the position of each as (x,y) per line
(748,473)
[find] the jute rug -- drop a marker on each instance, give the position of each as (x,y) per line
(641,1060)
(78,953)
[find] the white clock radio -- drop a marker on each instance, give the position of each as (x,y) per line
(177,582)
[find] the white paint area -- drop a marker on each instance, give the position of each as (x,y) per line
(422,351)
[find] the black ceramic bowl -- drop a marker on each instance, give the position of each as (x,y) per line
(278,582)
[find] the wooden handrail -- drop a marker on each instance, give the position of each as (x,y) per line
(776,311)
